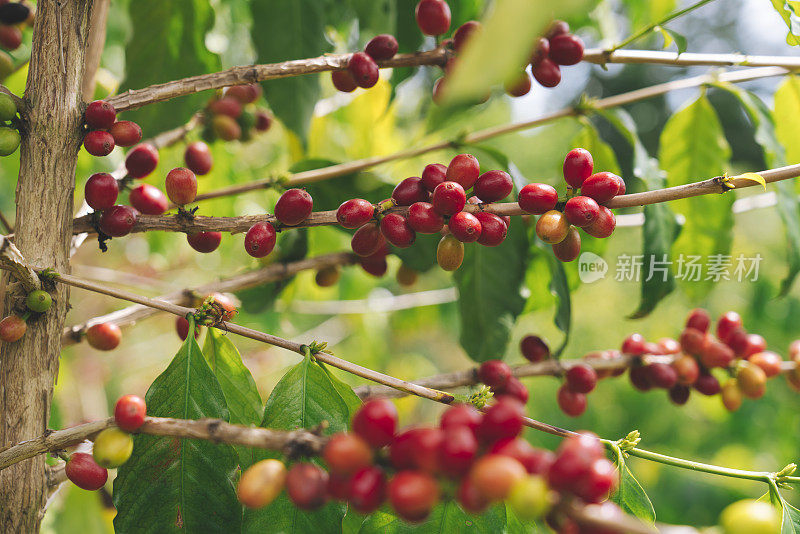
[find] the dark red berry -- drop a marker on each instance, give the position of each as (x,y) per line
(566,49)
(568,248)
(307,486)
(376,422)
(707,384)
(409,191)
(397,231)
(226,106)
(598,482)
(558,27)
(448,198)
(458,450)
(413,495)
(103,336)
(461,415)
(464,169)
(364,70)
(634,344)
(515,389)
(727,325)
(204,242)
(494,373)
(125,133)
(716,354)
(640,378)
(687,368)
(383,46)
(367,240)
(263,120)
(693,341)
(535,461)
(470,499)
(118,221)
(98,143)
(141,160)
(601,186)
(501,420)
(679,394)
(570,402)
(355,213)
(148,199)
(662,375)
(547,73)
(246,94)
(465,227)
(492,186)
(367,490)
(343,81)
(493,229)
(347,453)
(574,459)
(100,115)
(534,349)
(129,412)
(578,166)
(84,472)
(10,36)
(699,320)
(182,328)
(197,157)
(260,239)
(424,219)
(603,226)
(101,191)
(581,211)
(417,448)
(581,378)
(374,264)
(537,198)
(433,16)
(433,175)
(181,186)
(294,207)
(519,86)
(338,486)
(464,32)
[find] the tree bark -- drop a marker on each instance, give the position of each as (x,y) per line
(50,143)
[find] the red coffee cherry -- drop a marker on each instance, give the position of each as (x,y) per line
(84,472)
(707,384)
(470,499)
(755,344)
(558,27)
(129,412)
(578,166)
(493,229)
(197,157)
(464,32)
(125,133)
(494,373)
(100,115)
(601,186)
(581,211)
(534,349)
(598,482)
(768,361)
(537,198)
(10,36)
(727,325)
(501,420)
(226,106)
(263,120)
(182,328)
(716,354)
(409,191)
(205,242)
(98,143)
(464,169)
(397,231)
(118,221)
(141,160)
(226,303)
(433,175)
(367,240)
(458,450)
(101,191)
(380,47)
(148,199)
(294,207)
(413,495)
(343,81)
(603,226)
(417,448)
(699,320)
(679,394)
(519,86)
(448,198)
(547,73)
(423,218)
(552,227)
(367,490)
(514,389)
(566,49)
(307,486)
(693,341)
(662,375)
(465,227)
(374,264)
(493,475)
(260,239)
(376,422)
(581,378)
(634,344)
(364,70)
(246,94)
(12,328)
(751,380)
(571,403)
(346,453)
(355,213)
(338,486)
(568,249)
(103,336)
(535,461)
(687,370)
(461,415)
(433,16)
(181,186)
(574,459)
(492,186)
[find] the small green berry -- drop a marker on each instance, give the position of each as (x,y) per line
(8,108)
(39,301)
(9,141)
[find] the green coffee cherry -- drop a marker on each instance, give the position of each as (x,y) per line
(530,498)
(112,447)
(8,108)
(39,301)
(9,141)
(6,65)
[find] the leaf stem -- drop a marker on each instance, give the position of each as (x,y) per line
(650,27)
(762,476)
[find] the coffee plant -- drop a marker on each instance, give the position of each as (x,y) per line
(337,142)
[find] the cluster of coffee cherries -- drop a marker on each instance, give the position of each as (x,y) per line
(233,115)
(14,326)
(362,68)
(112,446)
(557,49)
(104,131)
(476,458)
(559,223)
(14,17)
(9,132)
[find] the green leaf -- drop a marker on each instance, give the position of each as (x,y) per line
(173,484)
(290,30)
(671,36)
(643,13)
(791,519)
(168,43)
(630,496)
(422,255)
(409,39)
(785,10)
(787,116)
(694,148)
(81,511)
(559,288)
(602,153)
(446,518)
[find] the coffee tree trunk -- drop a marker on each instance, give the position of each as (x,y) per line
(49,151)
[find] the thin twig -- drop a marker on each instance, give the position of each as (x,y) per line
(658,57)
(650,27)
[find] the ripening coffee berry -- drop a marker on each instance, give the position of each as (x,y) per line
(182,328)
(601,186)
(634,344)
(38,301)
(699,320)
(492,186)
(112,447)
(125,133)
(694,341)
(424,219)
(413,495)
(364,70)
(537,198)
(227,106)
(679,394)
(515,389)
(355,213)
(449,253)
(566,49)
(581,210)
(687,370)
(494,373)
(9,140)
(530,498)
(12,328)
(581,378)
(465,227)
(294,207)
(727,325)
(433,175)
(83,471)
(547,73)
(376,422)
(10,36)
(327,276)
(534,349)
(346,453)
(578,166)
(375,264)
(103,336)
(501,420)
(707,384)
(118,221)
(519,86)
(770,362)
(716,354)
(558,27)
(129,412)
(464,169)
(397,231)
(535,461)
(307,486)
(464,33)
(570,247)
(661,375)
(731,395)
(260,239)
(101,191)
(343,81)
(98,143)
(224,301)
(246,94)
(417,448)
(197,157)
(493,229)
(204,242)
(755,344)
(181,186)
(409,191)
(752,380)
(226,128)
(458,450)
(433,16)
(380,47)
(750,517)
(148,199)
(493,475)
(552,227)
(598,482)
(141,160)
(603,226)
(263,120)
(261,483)
(100,115)
(470,498)
(406,276)
(640,378)
(571,403)
(367,490)
(448,198)
(367,240)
